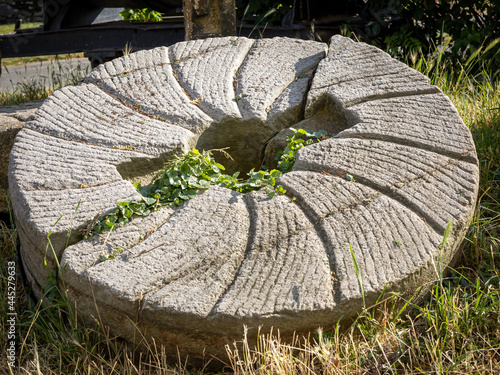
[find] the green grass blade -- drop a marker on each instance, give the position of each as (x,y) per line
(358,274)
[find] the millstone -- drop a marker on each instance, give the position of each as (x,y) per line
(402,166)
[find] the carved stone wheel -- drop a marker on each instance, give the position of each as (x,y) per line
(193,277)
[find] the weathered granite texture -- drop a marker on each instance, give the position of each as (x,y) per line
(402,166)
(12,118)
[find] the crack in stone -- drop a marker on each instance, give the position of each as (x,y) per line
(236,75)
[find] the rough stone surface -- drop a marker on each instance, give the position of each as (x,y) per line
(383,190)
(358,73)
(12,119)
(213,88)
(146,81)
(270,68)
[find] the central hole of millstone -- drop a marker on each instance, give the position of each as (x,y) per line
(244,141)
(250,144)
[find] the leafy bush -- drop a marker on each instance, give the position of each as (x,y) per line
(465,26)
(141,15)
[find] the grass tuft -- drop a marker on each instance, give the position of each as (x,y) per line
(55,77)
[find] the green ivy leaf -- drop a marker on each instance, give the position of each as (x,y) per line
(149,201)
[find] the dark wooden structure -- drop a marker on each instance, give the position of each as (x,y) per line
(95,27)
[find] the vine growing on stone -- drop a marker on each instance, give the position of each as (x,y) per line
(196,171)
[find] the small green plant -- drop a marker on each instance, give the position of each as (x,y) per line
(141,15)
(196,171)
(299,139)
(108,256)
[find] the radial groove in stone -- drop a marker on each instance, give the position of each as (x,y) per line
(287,108)
(398,170)
(86,114)
(43,162)
(146,82)
(206,69)
(285,269)
(62,213)
(360,73)
(284,60)
(426,121)
(42,209)
(182,267)
(351,215)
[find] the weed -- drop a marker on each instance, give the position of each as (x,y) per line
(107,256)
(299,139)
(358,275)
(258,22)
(128,49)
(197,171)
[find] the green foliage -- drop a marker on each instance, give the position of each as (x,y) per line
(180,182)
(467,26)
(404,40)
(107,256)
(197,171)
(141,15)
(358,274)
(299,139)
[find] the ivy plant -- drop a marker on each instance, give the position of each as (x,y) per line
(196,171)
(299,139)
